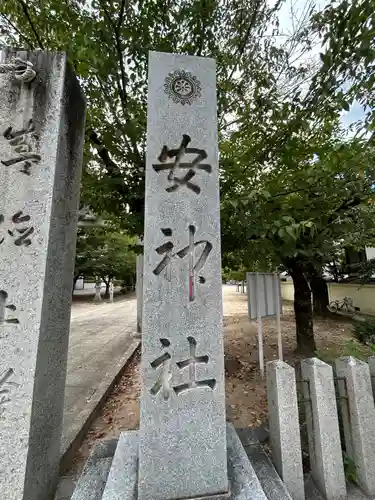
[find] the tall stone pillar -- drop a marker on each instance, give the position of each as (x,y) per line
(41,143)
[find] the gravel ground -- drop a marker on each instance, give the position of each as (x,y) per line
(246,398)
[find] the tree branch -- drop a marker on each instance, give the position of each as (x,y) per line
(103,152)
(345,205)
(131,147)
(31,46)
(122,87)
(121,15)
(203,29)
(26,12)
(242,47)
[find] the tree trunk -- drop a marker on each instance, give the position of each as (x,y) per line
(319,290)
(107,282)
(302,310)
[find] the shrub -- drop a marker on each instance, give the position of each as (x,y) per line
(364,331)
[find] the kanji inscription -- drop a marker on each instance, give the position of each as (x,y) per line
(23,143)
(191,362)
(173,167)
(6,386)
(195,265)
(5,307)
(21,231)
(163,382)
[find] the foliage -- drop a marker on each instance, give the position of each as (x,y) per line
(295,192)
(350,469)
(107,41)
(364,331)
(294,189)
(336,265)
(347,32)
(106,253)
(304,204)
(238,274)
(365,270)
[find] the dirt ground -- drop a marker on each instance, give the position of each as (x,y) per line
(246,398)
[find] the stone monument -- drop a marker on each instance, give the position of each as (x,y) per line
(183,448)
(182,357)
(41,142)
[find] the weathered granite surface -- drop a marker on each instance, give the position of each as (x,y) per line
(122,478)
(325,451)
(139,290)
(41,144)
(182,423)
(92,482)
(272,485)
(283,424)
(358,418)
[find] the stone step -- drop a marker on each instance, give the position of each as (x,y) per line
(111,472)
(122,478)
(91,484)
(269,479)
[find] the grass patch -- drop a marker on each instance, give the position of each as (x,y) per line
(347,348)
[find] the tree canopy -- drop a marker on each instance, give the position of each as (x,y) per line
(295,186)
(105,252)
(107,41)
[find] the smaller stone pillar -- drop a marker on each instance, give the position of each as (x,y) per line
(284,426)
(327,468)
(359,424)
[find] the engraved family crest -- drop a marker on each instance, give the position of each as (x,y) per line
(182,87)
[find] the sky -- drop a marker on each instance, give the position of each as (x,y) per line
(355,112)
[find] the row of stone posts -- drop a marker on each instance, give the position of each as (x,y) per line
(344,395)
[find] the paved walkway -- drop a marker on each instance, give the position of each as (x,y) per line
(101,340)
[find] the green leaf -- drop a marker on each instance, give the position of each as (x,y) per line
(291,231)
(266,194)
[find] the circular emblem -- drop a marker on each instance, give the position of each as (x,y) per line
(181,86)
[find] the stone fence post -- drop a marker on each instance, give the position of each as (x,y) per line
(323,429)
(358,418)
(284,426)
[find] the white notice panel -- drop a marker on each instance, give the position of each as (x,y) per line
(265,286)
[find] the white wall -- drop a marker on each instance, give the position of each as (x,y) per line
(370,252)
(363,296)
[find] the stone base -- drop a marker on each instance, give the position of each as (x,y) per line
(121,482)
